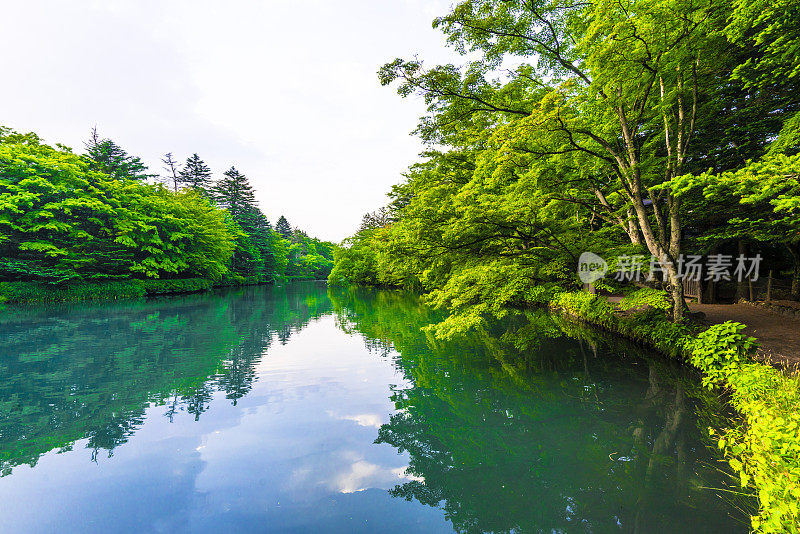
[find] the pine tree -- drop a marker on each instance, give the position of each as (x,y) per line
(262,237)
(283,227)
(109,158)
(234,193)
(195,175)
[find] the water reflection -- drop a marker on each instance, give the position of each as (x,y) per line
(240,423)
(87,371)
(520,429)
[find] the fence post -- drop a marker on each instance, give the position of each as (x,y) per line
(769,286)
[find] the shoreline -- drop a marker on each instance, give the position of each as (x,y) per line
(32,293)
(764,449)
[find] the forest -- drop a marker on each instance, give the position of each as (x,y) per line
(664,129)
(101,220)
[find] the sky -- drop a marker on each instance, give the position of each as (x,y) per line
(285,90)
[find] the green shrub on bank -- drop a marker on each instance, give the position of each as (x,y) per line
(235,280)
(719,350)
(650,326)
(21,292)
(181,285)
(31,292)
(765,450)
(646,297)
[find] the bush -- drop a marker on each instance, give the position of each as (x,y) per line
(644,297)
(720,349)
(181,285)
(22,292)
(235,280)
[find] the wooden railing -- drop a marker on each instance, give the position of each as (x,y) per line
(693,289)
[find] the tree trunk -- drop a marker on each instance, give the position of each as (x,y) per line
(676,295)
(794,249)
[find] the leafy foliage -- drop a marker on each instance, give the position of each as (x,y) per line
(644,297)
(60,220)
(69,218)
(572,128)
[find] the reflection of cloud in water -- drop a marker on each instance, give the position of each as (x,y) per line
(402,473)
(363,475)
(356,479)
(365,419)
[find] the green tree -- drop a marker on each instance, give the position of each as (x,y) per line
(609,103)
(109,158)
(283,227)
(60,219)
(195,174)
(234,193)
(759,202)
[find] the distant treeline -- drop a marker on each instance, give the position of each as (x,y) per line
(98,216)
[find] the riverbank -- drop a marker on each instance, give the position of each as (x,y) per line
(34,292)
(765,449)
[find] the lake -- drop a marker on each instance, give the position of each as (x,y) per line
(300,408)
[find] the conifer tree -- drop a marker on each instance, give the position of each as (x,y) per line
(234,193)
(283,227)
(262,237)
(108,157)
(195,174)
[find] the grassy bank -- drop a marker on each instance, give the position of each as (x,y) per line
(765,449)
(33,292)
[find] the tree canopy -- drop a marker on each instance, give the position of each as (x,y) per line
(67,217)
(572,127)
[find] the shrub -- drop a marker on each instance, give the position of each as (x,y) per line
(235,280)
(644,297)
(21,292)
(181,285)
(720,349)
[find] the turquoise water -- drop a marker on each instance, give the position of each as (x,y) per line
(303,409)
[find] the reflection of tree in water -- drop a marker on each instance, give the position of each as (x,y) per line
(198,399)
(90,371)
(523,429)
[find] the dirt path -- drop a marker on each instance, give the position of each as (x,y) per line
(778,335)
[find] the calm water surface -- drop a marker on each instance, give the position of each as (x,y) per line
(303,409)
